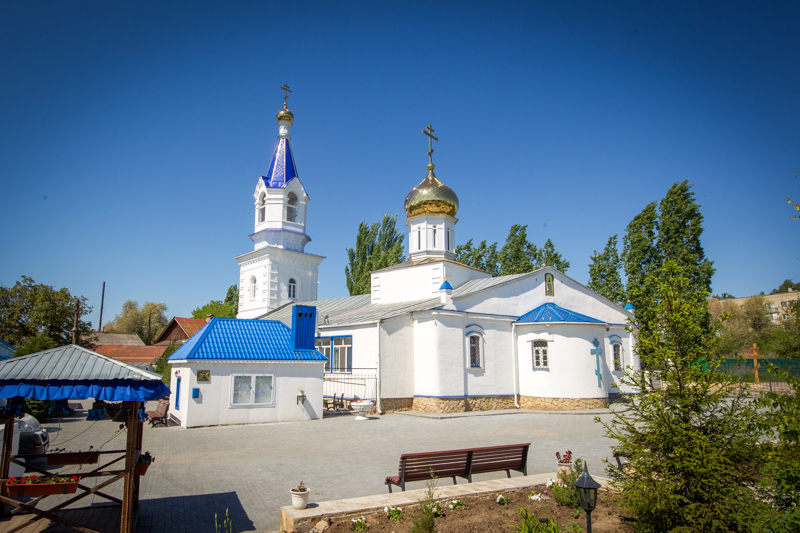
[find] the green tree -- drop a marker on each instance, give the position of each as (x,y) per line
(147,322)
(786,286)
(483,257)
(552,258)
(220,308)
(518,255)
(640,258)
(795,205)
(162,365)
(378,245)
(604,278)
(29,309)
(39,343)
(694,444)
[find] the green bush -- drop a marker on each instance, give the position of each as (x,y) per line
(563,491)
(425,520)
(39,409)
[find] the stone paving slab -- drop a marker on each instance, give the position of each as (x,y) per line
(249,469)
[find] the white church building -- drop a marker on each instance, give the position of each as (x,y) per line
(438,335)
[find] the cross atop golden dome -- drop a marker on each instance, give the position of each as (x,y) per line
(285,114)
(431,196)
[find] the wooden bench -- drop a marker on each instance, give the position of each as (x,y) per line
(460,463)
(161,414)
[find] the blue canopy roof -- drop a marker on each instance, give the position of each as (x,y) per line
(282,169)
(239,339)
(74,372)
(551,312)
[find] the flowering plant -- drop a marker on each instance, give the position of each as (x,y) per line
(457,504)
(359,524)
(36,480)
(395,513)
(502,500)
(300,488)
(566,458)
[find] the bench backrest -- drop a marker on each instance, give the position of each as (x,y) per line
(419,466)
(163,407)
(493,458)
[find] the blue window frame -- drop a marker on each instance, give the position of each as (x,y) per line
(178,394)
(338,351)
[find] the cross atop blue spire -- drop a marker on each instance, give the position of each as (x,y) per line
(282,169)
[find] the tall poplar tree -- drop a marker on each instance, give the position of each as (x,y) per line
(640,255)
(483,256)
(604,278)
(518,255)
(552,258)
(378,245)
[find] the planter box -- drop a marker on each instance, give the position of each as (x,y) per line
(141,469)
(72,458)
(42,489)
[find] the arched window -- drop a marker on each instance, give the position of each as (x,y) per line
(475,351)
(617,350)
(262,207)
(292,288)
(291,207)
(253,288)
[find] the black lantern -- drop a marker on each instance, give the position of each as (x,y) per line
(587,494)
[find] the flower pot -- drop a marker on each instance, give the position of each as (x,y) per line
(564,469)
(72,458)
(300,499)
(141,469)
(42,489)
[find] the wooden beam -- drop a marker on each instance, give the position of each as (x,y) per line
(5,460)
(131,454)
(46,514)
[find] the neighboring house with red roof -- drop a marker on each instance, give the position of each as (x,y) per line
(179,330)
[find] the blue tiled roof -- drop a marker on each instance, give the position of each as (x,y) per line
(281,169)
(551,312)
(238,339)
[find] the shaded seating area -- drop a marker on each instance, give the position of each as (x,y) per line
(61,374)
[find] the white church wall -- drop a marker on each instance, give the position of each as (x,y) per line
(496,375)
(630,361)
(364,350)
(571,365)
(416,282)
(397,358)
(214,406)
(519,297)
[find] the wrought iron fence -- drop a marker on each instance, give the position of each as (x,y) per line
(360,384)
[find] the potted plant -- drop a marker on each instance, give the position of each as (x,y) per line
(62,457)
(300,496)
(564,464)
(42,485)
(143,463)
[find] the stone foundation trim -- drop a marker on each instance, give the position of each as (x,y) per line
(462,404)
(391,405)
(561,404)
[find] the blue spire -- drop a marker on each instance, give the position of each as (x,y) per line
(282,169)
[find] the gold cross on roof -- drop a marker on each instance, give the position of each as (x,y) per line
(429,132)
(286,88)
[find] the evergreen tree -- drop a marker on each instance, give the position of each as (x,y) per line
(604,278)
(640,257)
(518,256)
(378,246)
(552,258)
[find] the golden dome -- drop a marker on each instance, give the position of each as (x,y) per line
(285,114)
(431,197)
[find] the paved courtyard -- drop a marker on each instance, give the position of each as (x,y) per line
(249,469)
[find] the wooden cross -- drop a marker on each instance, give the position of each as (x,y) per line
(755,356)
(597,352)
(429,132)
(286,88)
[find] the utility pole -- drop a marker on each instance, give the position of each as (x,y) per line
(102,299)
(75,320)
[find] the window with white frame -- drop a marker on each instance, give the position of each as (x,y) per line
(291,208)
(338,351)
(292,288)
(539,349)
(253,288)
(475,351)
(617,352)
(252,390)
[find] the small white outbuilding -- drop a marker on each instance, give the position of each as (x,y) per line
(237,371)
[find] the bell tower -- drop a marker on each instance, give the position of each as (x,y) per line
(278,270)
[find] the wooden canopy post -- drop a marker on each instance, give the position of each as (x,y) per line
(130,493)
(5,461)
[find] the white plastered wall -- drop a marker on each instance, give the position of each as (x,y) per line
(397,358)
(213,406)
(416,282)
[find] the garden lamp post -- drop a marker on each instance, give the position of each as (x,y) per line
(587,495)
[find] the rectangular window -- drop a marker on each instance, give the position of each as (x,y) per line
(617,356)
(540,354)
(338,351)
(253,390)
(474,351)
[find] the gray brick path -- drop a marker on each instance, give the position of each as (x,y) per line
(249,469)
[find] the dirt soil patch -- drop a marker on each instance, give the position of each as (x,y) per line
(484,514)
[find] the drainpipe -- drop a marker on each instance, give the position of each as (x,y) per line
(514,361)
(378,383)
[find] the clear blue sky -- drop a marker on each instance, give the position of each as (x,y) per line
(132,133)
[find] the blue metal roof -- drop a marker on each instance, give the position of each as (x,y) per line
(551,312)
(238,339)
(282,169)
